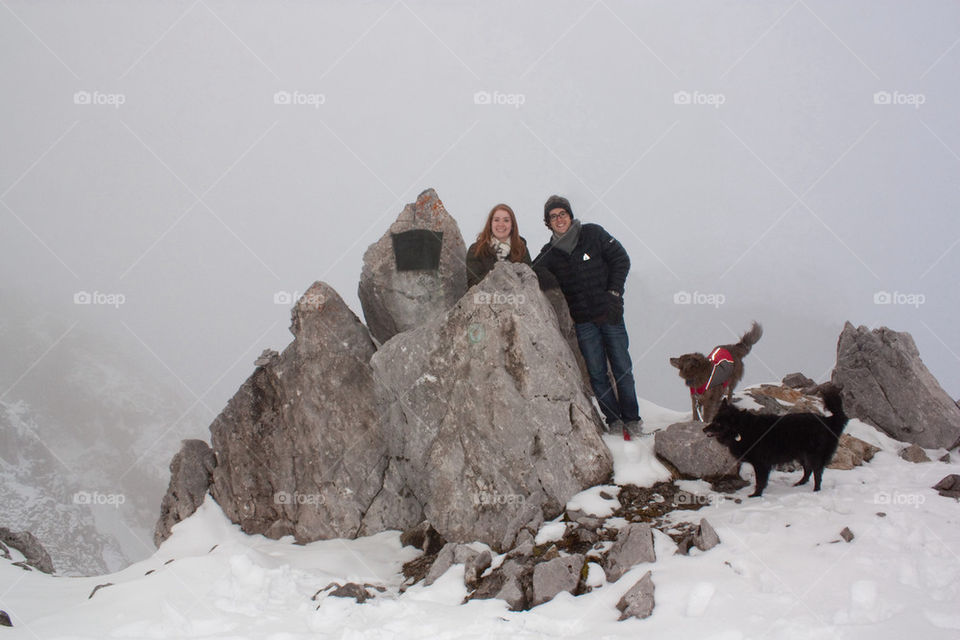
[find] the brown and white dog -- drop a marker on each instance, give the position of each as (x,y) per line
(714,376)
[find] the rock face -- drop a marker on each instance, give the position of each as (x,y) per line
(396,300)
(191,472)
(299,447)
(692,453)
(26,543)
(886,384)
(488,420)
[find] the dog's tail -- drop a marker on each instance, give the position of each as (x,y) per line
(833,401)
(748,339)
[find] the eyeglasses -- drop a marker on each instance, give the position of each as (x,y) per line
(553,217)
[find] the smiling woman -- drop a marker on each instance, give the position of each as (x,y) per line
(499,240)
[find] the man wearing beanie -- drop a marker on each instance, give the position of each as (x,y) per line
(591,268)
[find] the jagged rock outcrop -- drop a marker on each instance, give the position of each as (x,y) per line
(299,447)
(27,544)
(634,545)
(191,472)
(488,420)
(692,453)
(886,384)
(396,298)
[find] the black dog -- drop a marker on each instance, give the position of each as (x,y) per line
(766,440)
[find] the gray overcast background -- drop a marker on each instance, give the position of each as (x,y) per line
(794,161)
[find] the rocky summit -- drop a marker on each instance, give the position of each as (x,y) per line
(415,271)
(488,420)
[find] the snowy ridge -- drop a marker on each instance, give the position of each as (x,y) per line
(781,571)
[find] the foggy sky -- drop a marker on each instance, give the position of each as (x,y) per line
(788,162)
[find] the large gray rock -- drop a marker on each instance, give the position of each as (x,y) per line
(35,555)
(299,447)
(451,554)
(634,545)
(692,453)
(394,301)
(191,472)
(487,416)
(886,384)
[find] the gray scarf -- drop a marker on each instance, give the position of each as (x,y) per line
(568,241)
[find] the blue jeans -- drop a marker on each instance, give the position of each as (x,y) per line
(598,344)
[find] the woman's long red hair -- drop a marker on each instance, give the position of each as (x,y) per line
(517,246)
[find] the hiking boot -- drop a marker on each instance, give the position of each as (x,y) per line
(615,428)
(634,427)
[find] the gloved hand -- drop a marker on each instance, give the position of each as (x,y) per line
(614,308)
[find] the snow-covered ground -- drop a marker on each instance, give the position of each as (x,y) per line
(781,571)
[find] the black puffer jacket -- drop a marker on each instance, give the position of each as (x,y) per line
(598,264)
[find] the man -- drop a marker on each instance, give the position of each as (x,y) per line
(591,268)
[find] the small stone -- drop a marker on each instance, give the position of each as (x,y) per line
(639,601)
(706,537)
(944,458)
(914,453)
(475,566)
(798,381)
(5,619)
(846,534)
(352,590)
(949,487)
(634,545)
(559,574)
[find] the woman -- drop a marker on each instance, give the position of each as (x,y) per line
(499,240)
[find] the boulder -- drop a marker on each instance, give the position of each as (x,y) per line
(554,576)
(191,472)
(511,582)
(638,602)
(692,453)
(852,452)
(949,487)
(35,555)
(886,384)
(397,296)
(424,537)
(487,417)
(706,537)
(634,545)
(798,381)
(914,453)
(299,448)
